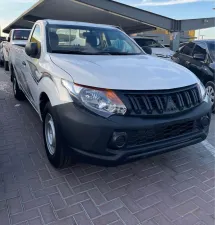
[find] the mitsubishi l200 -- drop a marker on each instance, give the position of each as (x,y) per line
(16,37)
(101,96)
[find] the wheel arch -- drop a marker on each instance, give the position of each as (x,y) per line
(209,78)
(43,100)
(11,72)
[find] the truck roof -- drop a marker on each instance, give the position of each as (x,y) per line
(62,22)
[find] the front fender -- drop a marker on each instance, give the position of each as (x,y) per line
(53,88)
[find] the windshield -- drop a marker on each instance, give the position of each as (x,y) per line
(211,48)
(90,40)
(21,34)
(143,42)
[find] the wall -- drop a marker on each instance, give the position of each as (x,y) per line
(164,38)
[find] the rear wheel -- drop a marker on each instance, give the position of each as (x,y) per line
(6,66)
(12,74)
(1,63)
(210,88)
(18,94)
(54,144)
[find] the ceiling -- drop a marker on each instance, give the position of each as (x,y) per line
(130,19)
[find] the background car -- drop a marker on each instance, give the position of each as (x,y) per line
(2,53)
(199,57)
(157,49)
(2,39)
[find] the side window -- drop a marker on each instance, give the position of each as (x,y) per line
(200,50)
(187,49)
(36,38)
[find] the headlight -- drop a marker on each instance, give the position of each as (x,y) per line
(102,101)
(202,90)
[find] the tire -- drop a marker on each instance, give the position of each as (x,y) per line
(6,66)
(210,88)
(54,144)
(18,94)
(12,74)
(1,63)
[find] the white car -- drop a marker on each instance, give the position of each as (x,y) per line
(2,53)
(16,37)
(158,49)
(101,102)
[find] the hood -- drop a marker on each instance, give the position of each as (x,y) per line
(19,42)
(141,72)
(162,52)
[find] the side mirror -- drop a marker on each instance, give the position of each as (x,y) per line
(200,57)
(147,50)
(8,39)
(31,49)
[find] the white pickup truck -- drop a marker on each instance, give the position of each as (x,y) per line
(16,37)
(102,102)
(158,49)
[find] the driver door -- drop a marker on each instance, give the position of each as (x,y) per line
(185,55)
(31,69)
(198,66)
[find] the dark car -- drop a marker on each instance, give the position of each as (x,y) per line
(199,57)
(182,44)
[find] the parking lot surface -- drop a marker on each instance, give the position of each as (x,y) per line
(176,188)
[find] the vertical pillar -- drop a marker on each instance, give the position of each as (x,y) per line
(174,41)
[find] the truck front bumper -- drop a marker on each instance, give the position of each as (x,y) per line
(122,138)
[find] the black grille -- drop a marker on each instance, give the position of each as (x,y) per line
(163,102)
(159,133)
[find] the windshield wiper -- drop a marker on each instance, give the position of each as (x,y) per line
(80,52)
(123,53)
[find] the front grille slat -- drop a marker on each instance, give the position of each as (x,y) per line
(133,104)
(136,100)
(181,101)
(147,104)
(166,102)
(195,96)
(188,99)
(160,105)
(150,105)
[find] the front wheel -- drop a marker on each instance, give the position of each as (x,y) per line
(210,89)
(18,94)
(54,144)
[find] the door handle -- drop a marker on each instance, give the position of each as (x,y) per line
(24,63)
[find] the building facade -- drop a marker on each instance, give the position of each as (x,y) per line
(163,36)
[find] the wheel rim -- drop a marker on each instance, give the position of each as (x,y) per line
(14,85)
(211,93)
(50,134)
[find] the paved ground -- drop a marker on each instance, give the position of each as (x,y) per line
(176,188)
